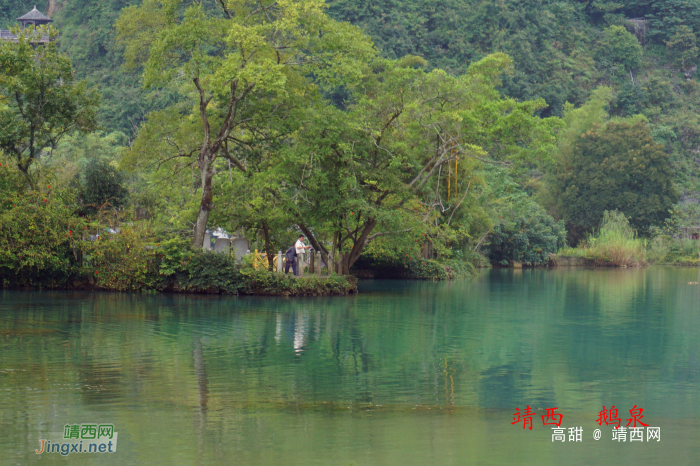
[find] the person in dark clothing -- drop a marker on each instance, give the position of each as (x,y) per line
(291,257)
(292,253)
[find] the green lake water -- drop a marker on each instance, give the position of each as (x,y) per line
(405,373)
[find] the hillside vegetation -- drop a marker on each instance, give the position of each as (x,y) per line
(404,134)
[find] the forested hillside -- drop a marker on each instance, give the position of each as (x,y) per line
(561,52)
(87,36)
(562,111)
(560,48)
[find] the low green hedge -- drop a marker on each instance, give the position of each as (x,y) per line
(413,269)
(125,262)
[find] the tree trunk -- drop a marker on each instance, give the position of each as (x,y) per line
(344,266)
(200,228)
(354,253)
(268,248)
(210,150)
(345,260)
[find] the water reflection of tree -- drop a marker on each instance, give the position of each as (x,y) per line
(200,371)
(502,340)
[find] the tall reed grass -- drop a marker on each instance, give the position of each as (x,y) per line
(666,249)
(615,244)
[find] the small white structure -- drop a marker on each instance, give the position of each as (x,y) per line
(207,242)
(241,247)
(223,245)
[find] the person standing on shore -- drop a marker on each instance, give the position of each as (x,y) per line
(292,253)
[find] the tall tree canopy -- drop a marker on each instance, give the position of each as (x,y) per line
(43,101)
(616,167)
(355,175)
(232,62)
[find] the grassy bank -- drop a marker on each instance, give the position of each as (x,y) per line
(126,262)
(615,244)
(667,250)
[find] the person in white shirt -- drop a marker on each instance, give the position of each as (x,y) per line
(300,245)
(292,260)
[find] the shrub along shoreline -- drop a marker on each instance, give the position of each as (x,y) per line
(420,269)
(616,244)
(126,262)
(232,282)
(228,282)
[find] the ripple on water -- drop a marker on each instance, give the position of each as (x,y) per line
(404,373)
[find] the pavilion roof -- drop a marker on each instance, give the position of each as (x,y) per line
(34,15)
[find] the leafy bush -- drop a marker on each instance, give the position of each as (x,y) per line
(38,233)
(269,283)
(684,44)
(614,244)
(619,48)
(681,251)
(529,238)
(416,268)
(630,100)
(207,272)
(126,261)
(103,187)
(174,255)
(204,272)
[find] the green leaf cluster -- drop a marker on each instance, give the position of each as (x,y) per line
(43,101)
(618,167)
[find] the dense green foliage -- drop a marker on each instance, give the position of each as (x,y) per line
(13,9)
(547,40)
(617,168)
(43,102)
(267,59)
(89,38)
(529,238)
(285,119)
(614,244)
(103,187)
(36,240)
(38,232)
(415,268)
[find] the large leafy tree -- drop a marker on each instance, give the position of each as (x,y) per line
(684,45)
(374,170)
(616,167)
(620,48)
(102,187)
(232,61)
(44,102)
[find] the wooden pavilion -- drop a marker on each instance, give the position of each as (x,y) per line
(32,19)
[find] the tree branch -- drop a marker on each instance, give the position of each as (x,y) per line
(223,7)
(460,202)
(312,239)
(234,161)
(384,233)
(231,115)
(174,157)
(203,103)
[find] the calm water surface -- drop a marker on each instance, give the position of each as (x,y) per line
(405,373)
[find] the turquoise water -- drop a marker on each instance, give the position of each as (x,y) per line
(405,373)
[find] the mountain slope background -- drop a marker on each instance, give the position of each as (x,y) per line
(562,51)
